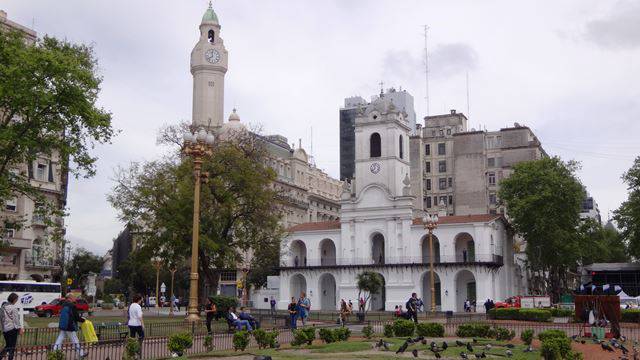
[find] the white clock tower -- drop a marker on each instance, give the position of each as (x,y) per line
(209,60)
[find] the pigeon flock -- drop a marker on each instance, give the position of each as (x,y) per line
(470,350)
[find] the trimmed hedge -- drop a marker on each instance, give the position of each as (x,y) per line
(527,336)
(430,330)
(388,330)
(367,331)
(551,333)
(402,327)
(630,315)
(562,312)
(540,315)
(556,348)
(504,334)
(473,330)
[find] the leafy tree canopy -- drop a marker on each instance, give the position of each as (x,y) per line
(628,214)
(369,283)
(82,263)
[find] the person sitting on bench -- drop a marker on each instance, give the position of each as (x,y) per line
(244,315)
(235,320)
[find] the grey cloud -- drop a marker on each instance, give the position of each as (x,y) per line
(619,30)
(448,60)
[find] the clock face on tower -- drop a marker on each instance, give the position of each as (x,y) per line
(212,56)
(375,168)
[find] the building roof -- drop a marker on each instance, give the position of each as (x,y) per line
(210,15)
(612,267)
(444,220)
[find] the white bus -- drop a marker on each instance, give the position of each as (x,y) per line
(30,293)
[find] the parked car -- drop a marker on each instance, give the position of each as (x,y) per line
(152,301)
(53,308)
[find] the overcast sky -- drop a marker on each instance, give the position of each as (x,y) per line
(567,69)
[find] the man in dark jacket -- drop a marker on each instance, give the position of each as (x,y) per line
(68,324)
(412,307)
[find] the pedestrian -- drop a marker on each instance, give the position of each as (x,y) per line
(350,306)
(421,305)
(210,309)
(398,310)
(235,320)
(467,305)
(464,255)
(293,312)
(146,302)
(135,323)
(361,304)
(11,326)
(68,324)
(412,307)
(304,306)
(272,303)
(344,312)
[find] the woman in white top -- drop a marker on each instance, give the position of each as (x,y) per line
(135,323)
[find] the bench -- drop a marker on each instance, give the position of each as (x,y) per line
(103,328)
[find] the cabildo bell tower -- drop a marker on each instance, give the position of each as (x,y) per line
(209,60)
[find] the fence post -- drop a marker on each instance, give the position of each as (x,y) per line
(193,328)
(36,336)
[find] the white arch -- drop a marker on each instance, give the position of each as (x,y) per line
(466,288)
(379,299)
(425,249)
(298,253)
(327,252)
(426,290)
(297,284)
(377,241)
(465,247)
(328,295)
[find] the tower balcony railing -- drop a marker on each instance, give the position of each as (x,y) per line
(440,260)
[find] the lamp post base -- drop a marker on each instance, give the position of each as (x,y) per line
(192,318)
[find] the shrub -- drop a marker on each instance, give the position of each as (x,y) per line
(561,312)
(208,342)
(556,348)
(527,336)
(388,330)
(55,355)
(504,334)
(265,339)
(223,303)
(630,315)
(520,314)
(367,331)
(552,333)
(303,336)
(341,334)
(179,342)
(473,330)
(240,340)
(107,306)
(402,327)
(131,349)
(430,330)
(327,335)
(504,314)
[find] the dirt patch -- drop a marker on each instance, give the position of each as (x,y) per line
(595,352)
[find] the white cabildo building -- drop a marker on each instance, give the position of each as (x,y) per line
(380,231)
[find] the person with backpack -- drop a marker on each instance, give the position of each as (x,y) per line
(272,303)
(412,307)
(11,327)
(68,324)
(304,307)
(135,322)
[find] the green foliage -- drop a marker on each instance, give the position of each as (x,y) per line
(551,333)
(520,314)
(504,334)
(388,330)
(179,342)
(556,348)
(240,340)
(630,315)
(303,336)
(83,262)
(131,349)
(107,298)
(367,331)
(55,355)
(223,303)
(430,329)
(48,96)
(113,286)
(370,283)
(208,342)
(543,199)
(562,312)
(265,339)
(627,216)
(473,330)
(403,327)
(240,210)
(327,335)
(527,336)
(601,244)
(342,333)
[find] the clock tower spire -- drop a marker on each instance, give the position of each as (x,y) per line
(209,60)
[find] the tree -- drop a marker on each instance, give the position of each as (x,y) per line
(543,200)
(113,286)
(368,283)
(628,214)
(240,211)
(82,263)
(600,244)
(48,95)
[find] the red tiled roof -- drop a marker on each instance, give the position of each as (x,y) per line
(314,226)
(461,219)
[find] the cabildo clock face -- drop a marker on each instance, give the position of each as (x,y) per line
(375,168)
(212,56)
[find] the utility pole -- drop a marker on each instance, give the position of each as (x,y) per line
(426,69)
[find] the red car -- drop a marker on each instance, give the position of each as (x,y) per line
(53,308)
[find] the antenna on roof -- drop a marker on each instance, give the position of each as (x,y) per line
(426,69)
(311,158)
(468,111)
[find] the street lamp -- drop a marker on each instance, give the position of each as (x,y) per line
(197,145)
(173,270)
(430,223)
(157,263)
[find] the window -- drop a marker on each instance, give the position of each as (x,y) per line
(491,162)
(400,146)
(442,149)
(41,172)
(492,178)
(374,145)
(428,167)
(450,182)
(211,36)
(442,183)
(492,199)
(428,198)
(435,201)
(441,132)
(11,205)
(442,166)
(228,276)
(443,201)
(433,133)
(9,233)
(428,184)
(450,199)
(427,149)
(448,131)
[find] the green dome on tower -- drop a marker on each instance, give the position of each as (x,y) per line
(210,15)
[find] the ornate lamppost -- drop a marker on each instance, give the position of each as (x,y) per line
(157,263)
(430,223)
(197,146)
(173,270)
